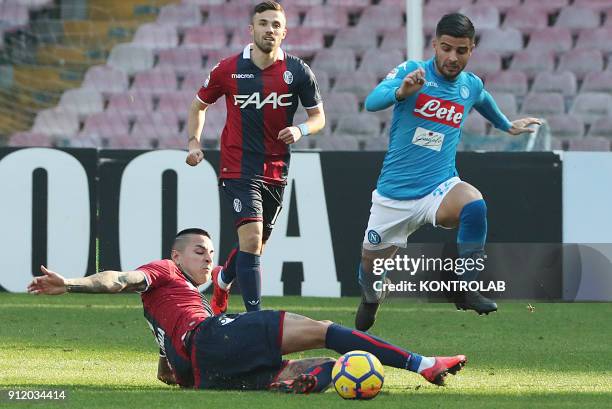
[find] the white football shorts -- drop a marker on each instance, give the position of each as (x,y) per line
(392,221)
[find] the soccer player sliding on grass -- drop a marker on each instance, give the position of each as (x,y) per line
(233,351)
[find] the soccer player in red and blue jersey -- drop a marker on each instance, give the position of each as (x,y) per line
(233,351)
(262,87)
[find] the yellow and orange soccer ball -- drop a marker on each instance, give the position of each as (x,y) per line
(358,375)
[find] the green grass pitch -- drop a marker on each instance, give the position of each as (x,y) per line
(99,349)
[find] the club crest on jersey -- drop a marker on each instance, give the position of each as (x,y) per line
(288,77)
(237,205)
(438,110)
(273,98)
(464,92)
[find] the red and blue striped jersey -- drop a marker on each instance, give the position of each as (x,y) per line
(260,103)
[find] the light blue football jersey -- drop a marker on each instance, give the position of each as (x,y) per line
(426,128)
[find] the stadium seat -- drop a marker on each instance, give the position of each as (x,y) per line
(55,122)
(501,5)
(566,126)
(177,102)
(597,5)
(601,127)
(229,16)
(240,38)
(597,82)
(356,39)
(589,144)
(397,4)
(105,125)
(394,40)
(334,61)
(205,37)
(543,103)
(380,18)
(180,15)
(105,79)
(337,143)
(158,125)
(550,6)
(205,4)
(13,16)
(514,82)
(131,104)
(590,106)
(557,39)
(155,81)
(431,16)
(180,59)
(474,124)
(532,62)
(360,126)
(323,81)
(127,142)
(483,63)
(360,83)
(483,17)
(301,5)
(581,62)
(380,62)
(193,81)
(351,5)
(525,19)
(340,103)
(303,41)
(31,139)
(504,41)
(328,19)
(380,144)
(156,36)
(446,6)
(506,103)
(577,18)
(82,101)
(130,58)
(597,39)
(563,82)
(171,142)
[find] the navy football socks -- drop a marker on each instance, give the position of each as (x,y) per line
(323,374)
(228,274)
(343,340)
(249,277)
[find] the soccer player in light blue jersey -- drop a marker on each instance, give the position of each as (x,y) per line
(418,183)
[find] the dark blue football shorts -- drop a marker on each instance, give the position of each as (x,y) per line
(238,351)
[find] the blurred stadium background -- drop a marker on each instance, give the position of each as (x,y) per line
(121,73)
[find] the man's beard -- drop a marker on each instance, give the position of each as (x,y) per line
(448,77)
(262,47)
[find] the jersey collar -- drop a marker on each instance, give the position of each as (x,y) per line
(246,53)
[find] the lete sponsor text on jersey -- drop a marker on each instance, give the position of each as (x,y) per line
(439,110)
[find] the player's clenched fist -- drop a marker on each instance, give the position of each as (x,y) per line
(290,134)
(411,84)
(194,157)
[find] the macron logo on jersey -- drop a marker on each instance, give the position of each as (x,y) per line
(439,110)
(276,100)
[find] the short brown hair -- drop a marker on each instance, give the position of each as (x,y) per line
(268,5)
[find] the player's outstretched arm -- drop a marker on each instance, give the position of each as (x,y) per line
(395,89)
(52,283)
(522,125)
(195,124)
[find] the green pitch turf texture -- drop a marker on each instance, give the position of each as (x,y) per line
(99,349)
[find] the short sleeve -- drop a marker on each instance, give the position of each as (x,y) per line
(212,89)
(309,93)
(156,273)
